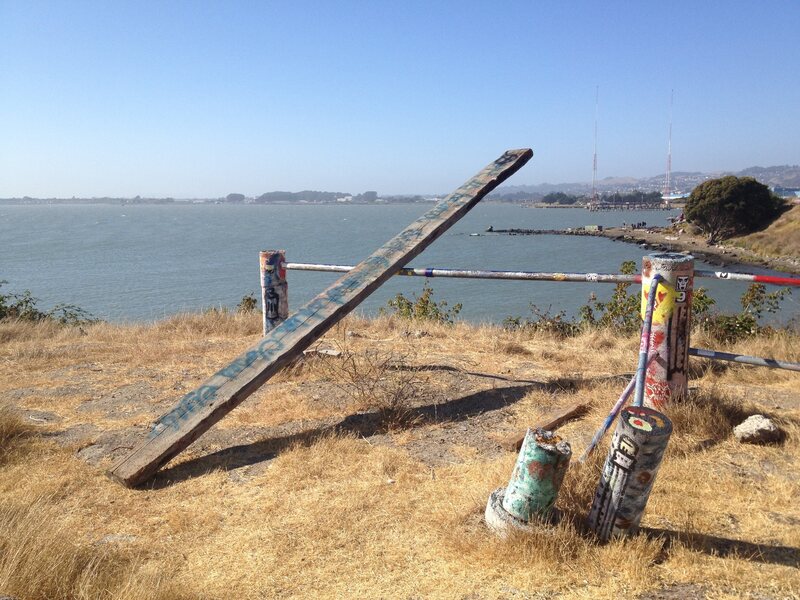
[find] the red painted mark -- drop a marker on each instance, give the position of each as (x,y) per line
(657,392)
(539,470)
(637,422)
(777,280)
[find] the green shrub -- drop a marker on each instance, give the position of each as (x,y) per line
(422,307)
(620,312)
(23,307)
(732,327)
(557,324)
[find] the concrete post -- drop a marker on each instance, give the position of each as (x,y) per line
(274,288)
(667,377)
(629,472)
(537,476)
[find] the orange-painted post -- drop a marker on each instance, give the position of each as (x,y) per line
(274,289)
(667,375)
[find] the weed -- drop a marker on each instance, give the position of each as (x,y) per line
(376,380)
(557,324)
(422,307)
(247,304)
(733,327)
(620,312)
(23,307)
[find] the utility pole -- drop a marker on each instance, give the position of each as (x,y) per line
(668,183)
(594,159)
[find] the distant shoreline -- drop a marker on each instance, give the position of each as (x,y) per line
(196,202)
(659,239)
(669,241)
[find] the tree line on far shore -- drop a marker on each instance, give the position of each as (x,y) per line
(651,198)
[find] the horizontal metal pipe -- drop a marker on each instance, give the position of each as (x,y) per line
(472,274)
(586,277)
(744,359)
(770,279)
(533,276)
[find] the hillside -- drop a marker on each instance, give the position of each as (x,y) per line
(366,475)
(682,181)
(782,238)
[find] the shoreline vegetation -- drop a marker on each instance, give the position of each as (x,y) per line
(366,471)
(777,247)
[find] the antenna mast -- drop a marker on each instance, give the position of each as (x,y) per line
(667,183)
(594,158)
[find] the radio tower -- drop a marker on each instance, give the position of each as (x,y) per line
(593,201)
(667,182)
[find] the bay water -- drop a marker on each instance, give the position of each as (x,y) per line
(145,262)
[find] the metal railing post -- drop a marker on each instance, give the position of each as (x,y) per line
(667,376)
(274,288)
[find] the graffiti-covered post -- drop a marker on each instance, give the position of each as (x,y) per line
(274,292)
(537,476)
(629,472)
(667,375)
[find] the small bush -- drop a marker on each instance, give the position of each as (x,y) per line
(557,324)
(422,307)
(23,307)
(733,327)
(247,304)
(620,312)
(380,381)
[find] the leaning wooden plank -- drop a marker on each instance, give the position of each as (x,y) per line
(198,410)
(549,422)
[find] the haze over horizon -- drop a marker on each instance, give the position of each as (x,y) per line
(202,99)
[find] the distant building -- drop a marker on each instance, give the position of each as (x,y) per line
(786,192)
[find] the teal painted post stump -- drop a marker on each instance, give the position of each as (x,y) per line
(629,472)
(537,476)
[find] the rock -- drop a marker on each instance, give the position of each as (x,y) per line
(757,429)
(322,352)
(684,591)
(92,454)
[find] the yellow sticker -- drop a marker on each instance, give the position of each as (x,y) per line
(665,301)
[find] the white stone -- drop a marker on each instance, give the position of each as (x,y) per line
(757,429)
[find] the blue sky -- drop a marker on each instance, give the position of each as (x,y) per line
(199,99)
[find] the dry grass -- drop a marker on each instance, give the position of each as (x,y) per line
(782,238)
(288,498)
